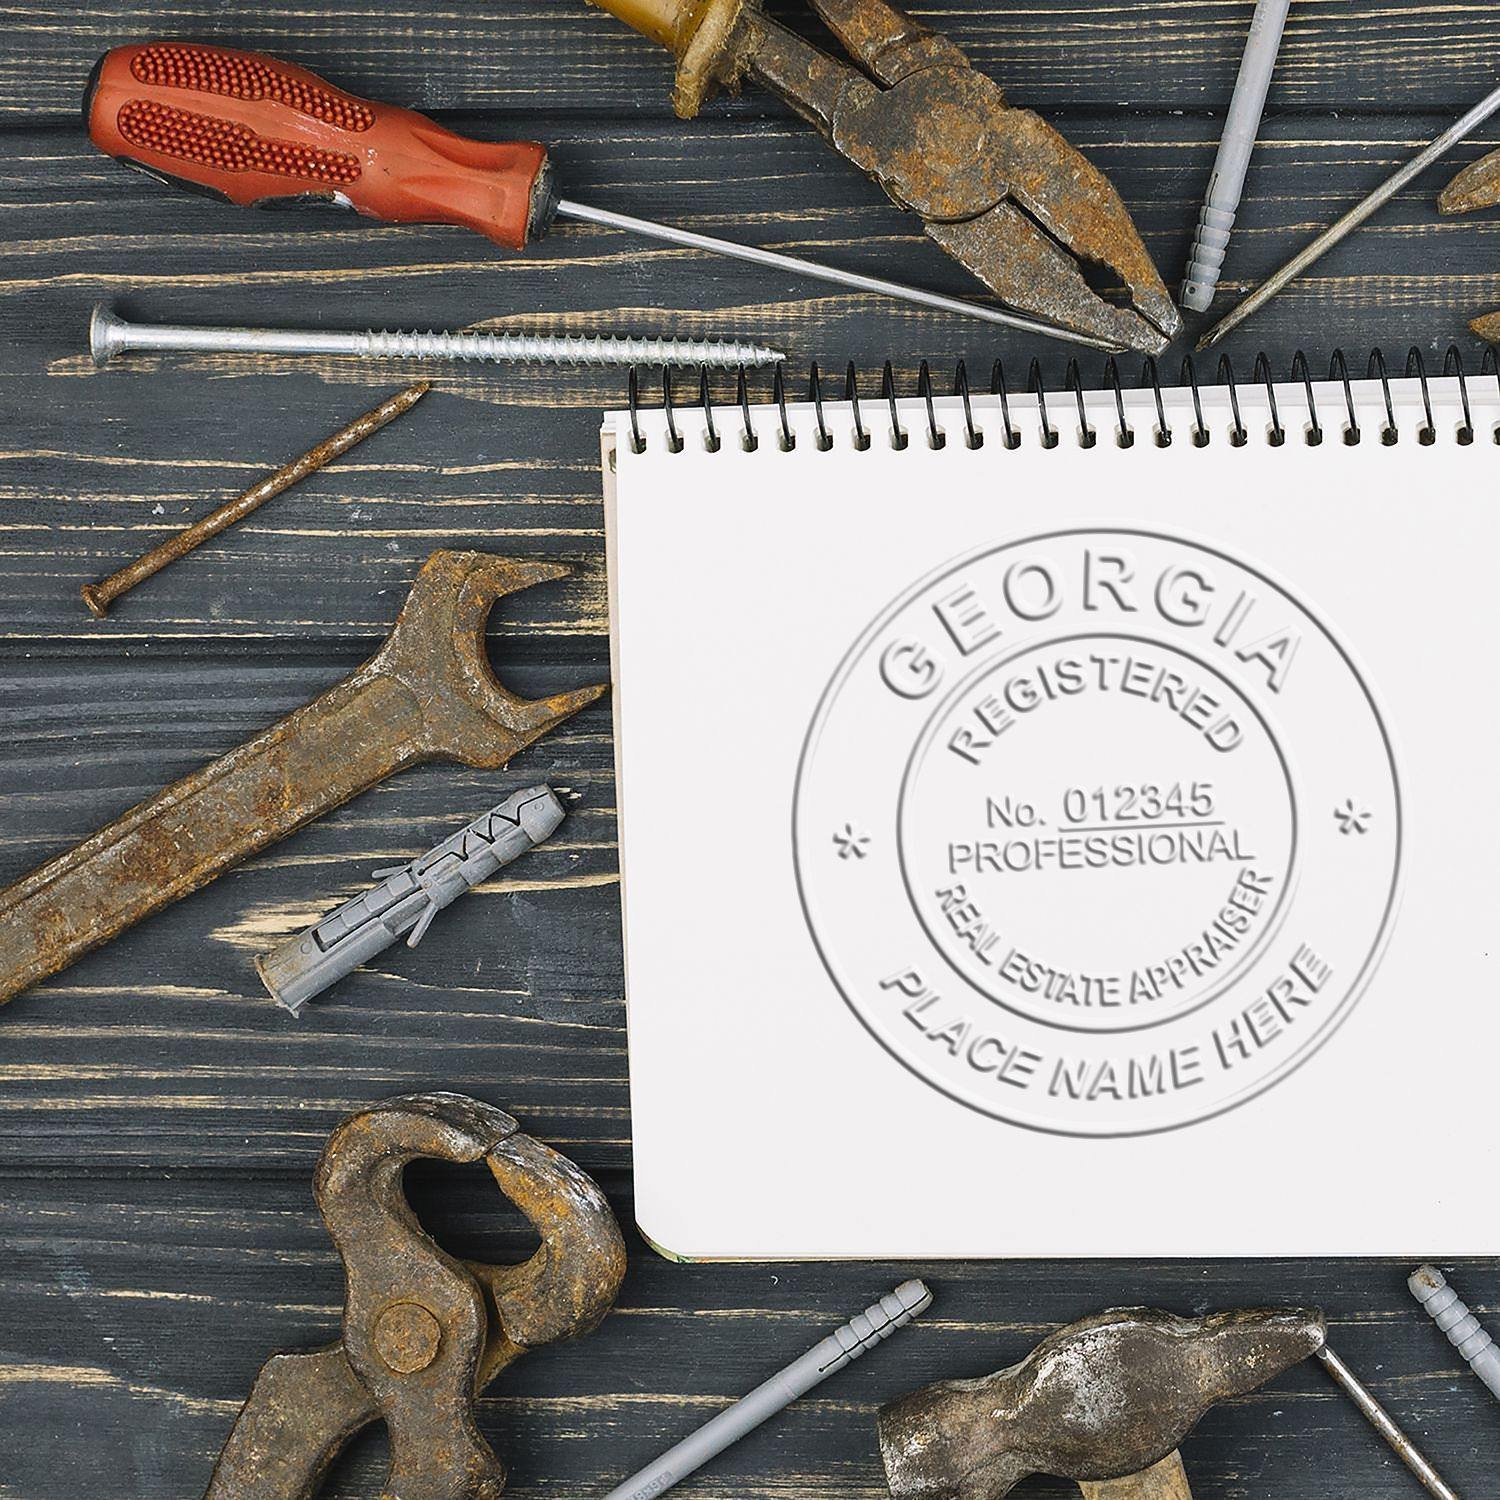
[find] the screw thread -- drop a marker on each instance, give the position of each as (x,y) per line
(1461,1328)
(585,349)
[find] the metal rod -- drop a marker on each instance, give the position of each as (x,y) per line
(99,596)
(1354,218)
(1383,1423)
(110,335)
(795,264)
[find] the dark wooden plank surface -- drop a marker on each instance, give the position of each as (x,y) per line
(565,58)
(159,1118)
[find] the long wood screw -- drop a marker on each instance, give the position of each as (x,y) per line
(111,335)
(99,596)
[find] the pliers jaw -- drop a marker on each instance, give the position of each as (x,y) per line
(998,188)
(1476,187)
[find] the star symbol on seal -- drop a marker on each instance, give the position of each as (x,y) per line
(1352,818)
(851,843)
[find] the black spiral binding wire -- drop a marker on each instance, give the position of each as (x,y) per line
(1087,435)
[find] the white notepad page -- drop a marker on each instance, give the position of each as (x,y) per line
(1072,850)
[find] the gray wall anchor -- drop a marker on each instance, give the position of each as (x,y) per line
(407,898)
(1227,181)
(1463,1330)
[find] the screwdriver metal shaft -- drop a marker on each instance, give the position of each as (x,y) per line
(567,209)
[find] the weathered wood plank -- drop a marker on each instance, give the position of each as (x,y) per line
(159,1116)
(165,1042)
(128,1288)
(564,57)
(98,715)
(100,466)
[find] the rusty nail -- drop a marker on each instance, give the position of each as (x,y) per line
(99,596)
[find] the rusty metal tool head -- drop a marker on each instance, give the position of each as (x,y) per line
(429,693)
(1103,1402)
(997,187)
(423,1333)
(1476,187)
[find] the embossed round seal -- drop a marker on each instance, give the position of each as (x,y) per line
(1099,832)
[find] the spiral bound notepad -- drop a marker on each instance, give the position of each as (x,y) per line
(1062,823)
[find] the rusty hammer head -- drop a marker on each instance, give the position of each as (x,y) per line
(1106,1398)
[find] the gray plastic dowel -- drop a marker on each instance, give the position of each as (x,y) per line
(1430,1288)
(1227,181)
(893,1311)
(407,899)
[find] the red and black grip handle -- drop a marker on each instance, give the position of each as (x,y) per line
(258,131)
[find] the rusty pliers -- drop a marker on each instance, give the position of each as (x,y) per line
(998,188)
(1476,187)
(423,1333)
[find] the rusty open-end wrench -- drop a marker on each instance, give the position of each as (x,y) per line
(423,1333)
(428,694)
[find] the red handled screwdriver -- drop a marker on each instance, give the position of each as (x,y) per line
(257,131)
